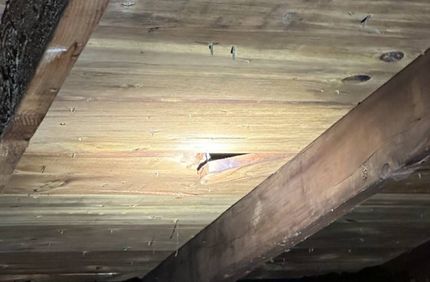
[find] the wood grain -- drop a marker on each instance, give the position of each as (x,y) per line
(341,168)
(146,96)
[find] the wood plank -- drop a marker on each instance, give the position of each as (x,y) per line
(148,89)
(123,233)
(79,263)
(371,145)
(37,56)
(382,227)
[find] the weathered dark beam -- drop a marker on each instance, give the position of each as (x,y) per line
(40,42)
(384,138)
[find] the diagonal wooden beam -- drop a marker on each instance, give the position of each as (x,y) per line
(384,138)
(40,42)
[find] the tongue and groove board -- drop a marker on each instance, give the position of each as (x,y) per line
(117,148)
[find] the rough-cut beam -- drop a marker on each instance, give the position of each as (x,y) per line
(386,137)
(40,41)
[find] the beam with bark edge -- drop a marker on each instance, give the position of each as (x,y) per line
(40,42)
(384,138)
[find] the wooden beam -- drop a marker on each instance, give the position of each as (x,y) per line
(384,138)
(40,42)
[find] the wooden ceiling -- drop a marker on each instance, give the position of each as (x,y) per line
(109,185)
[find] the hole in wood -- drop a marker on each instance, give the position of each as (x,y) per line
(210,157)
(219,167)
(392,56)
(357,78)
(365,20)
